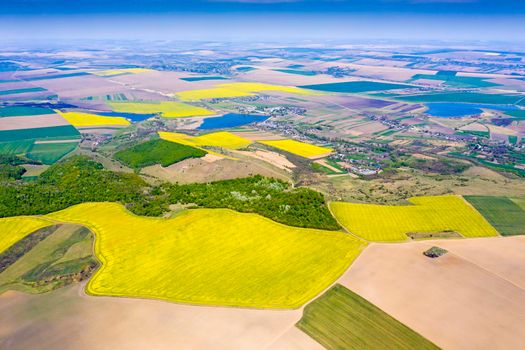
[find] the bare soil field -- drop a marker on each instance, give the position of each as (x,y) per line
(501,130)
(388,73)
(273,158)
(100,130)
(353,102)
(203,170)
(480,171)
(26,96)
(82,86)
(519,127)
(474,127)
(35,73)
(428,82)
(440,128)
(68,319)
(163,82)
(270,76)
(370,128)
(380,62)
(471,298)
(16,85)
(35,121)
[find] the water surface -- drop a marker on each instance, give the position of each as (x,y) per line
(231,120)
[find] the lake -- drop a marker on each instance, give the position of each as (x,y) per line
(457,110)
(231,120)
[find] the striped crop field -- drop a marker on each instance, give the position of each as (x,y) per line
(341,319)
(21,91)
(302,149)
(62,132)
(216,139)
(432,214)
(50,152)
(239,89)
(502,212)
(166,109)
(78,119)
(520,202)
(14,229)
(211,256)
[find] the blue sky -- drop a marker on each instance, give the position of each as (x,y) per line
(264,19)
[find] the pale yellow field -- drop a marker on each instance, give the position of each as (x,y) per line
(88,119)
(238,90)
(110,72)
(216,139)
(15,228)
(167,109)
(299,148)
(428,214)
(211,256)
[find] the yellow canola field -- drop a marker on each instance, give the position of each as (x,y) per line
(216,139)
(168,109)
(239,89)
(87,119)
(428,214)
(211,256)
(111,72)
(299,148)
(14,229)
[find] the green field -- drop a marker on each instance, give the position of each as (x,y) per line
(63,255)
(49,153)
(245,69)
(15,147)
(496,166)
(296,72)
(356,86)
(431,214)
(503,213)
(203,78)
(341,319)
(518,114)
(56,76)
(467,97)
(17,111)
(64,132)
(456,81)
(520,202)
(475,133)
(21,91)
(154,152)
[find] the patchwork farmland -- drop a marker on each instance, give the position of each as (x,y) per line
(245,196)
